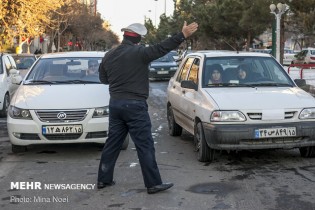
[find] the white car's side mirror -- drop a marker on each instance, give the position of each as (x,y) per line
(16,78)
(14,72)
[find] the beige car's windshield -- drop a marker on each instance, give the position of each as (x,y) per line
(240,71)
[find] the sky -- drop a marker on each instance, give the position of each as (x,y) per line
(121,13)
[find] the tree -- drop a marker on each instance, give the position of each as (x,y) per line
(20,18)
(91,31)
(302,17)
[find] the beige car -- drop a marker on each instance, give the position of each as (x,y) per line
(264,109)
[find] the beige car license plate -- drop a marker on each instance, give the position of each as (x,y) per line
(275,132)
(61,129)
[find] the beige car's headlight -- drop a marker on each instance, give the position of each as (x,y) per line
(101,112)
(227,116)
(308,113)
(17,113)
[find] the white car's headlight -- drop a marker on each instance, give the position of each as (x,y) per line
(18,113)
(308,113)
(227,116)
(101,112)
(151,69)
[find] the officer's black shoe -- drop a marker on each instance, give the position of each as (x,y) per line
(159,188)
(101,185)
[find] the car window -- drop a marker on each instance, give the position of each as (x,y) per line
(24,62)
(65,70)
(7,64)
(250,70)
(193,73)
(312,52)
(1,68)
(13,64)
(184,70)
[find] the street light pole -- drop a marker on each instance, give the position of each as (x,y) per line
(278,11)
(155,12)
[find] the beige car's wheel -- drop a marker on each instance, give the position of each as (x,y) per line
(173,127)
(204,152)
(307,151)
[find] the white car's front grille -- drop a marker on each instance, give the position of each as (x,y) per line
(61,115)
(258,115)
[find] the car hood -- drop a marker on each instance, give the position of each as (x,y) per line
(61,96)
(260,98)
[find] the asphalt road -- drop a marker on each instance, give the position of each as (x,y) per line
(273,179)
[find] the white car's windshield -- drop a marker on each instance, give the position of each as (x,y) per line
(244,71)
(65,71)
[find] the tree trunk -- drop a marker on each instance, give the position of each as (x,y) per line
(249,38)
(58,44)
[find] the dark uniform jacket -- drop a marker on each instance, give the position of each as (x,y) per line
(125,68)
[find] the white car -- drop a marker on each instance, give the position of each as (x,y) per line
(9,82)
(58,102)
(265,111)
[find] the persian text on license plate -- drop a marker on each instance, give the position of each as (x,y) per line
(59,129)
(162,72)
(275,132)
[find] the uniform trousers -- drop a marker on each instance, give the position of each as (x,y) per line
(126,115)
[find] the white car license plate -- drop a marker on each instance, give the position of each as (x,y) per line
(162,72)
(60,129)
(275,132)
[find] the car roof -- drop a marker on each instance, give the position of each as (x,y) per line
(72,54)
(23,55)
(222,53)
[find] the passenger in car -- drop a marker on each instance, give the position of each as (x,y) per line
(243,73)
(92,68)
(215,71)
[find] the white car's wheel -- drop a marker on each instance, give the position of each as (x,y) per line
(18,148)
(6,102)
(204,152)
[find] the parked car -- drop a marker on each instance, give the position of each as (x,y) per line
(306,56)
(175,55)
(268,51)
(163,68)
(9,82)
(23,62)
(288,56)
(265,111)
(59,102)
